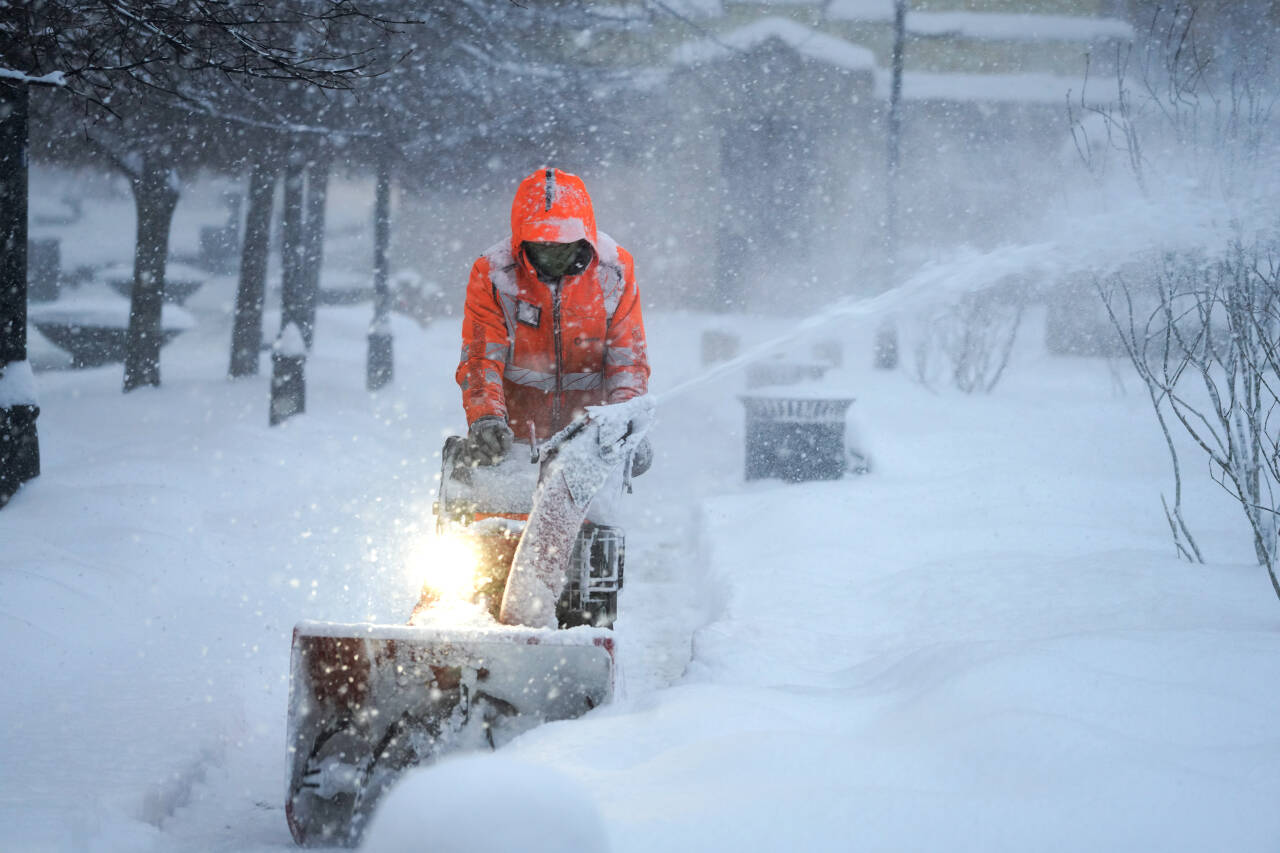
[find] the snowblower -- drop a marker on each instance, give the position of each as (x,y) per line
(512,630)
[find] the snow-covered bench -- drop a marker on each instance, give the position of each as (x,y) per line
(94,330)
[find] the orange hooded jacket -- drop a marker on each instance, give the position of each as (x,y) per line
(538,353)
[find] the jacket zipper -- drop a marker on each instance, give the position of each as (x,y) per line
(556,400)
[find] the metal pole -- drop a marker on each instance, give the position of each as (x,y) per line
(895,124)
(886,347)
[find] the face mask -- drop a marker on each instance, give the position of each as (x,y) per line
(552,260)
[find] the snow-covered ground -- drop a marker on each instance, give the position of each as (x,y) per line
(985,644)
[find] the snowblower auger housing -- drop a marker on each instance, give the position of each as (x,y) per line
(369,701)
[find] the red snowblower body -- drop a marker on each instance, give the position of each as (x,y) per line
(515,629)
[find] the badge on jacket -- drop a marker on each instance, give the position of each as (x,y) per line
(528,313)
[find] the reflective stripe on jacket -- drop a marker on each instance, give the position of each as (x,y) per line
(538,353)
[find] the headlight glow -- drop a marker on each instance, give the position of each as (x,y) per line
(446,565)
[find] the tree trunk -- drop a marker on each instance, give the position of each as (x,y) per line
(313,243)
(19,447)
(13,223)
(289,355)
(246,336)
(381,363)
(155,195)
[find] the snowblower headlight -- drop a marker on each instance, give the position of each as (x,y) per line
(445,564)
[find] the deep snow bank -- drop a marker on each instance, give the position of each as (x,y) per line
(486,804)
(985,645)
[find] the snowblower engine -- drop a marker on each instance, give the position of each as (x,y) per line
(489,505)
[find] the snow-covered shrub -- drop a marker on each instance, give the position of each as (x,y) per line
(1203,333)
(968,341)
(1200,321)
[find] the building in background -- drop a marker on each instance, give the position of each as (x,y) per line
(747,167)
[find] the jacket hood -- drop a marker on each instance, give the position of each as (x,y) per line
(552,206)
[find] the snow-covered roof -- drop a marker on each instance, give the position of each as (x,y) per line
(1030,88)
(641,9)
(860,10)
(692,8)
(804,40)
(1004,27)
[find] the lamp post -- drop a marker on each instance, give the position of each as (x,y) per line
(886,348)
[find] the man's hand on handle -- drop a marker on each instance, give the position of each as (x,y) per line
(490,439)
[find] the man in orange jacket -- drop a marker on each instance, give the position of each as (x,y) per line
(552,322)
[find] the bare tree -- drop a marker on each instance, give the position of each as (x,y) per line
(380,365)
(19,444)
(246,334)
(134,64)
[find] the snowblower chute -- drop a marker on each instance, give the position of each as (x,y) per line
(369,701)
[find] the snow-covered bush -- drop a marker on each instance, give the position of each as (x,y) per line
(1203,333)
(968,341)
(1195,124)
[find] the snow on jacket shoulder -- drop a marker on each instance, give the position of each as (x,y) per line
(538,353)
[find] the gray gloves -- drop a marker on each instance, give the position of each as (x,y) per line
(642,458)
(490,439)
